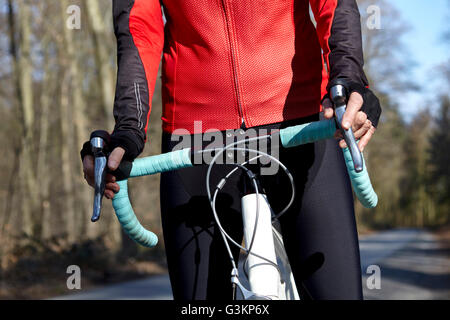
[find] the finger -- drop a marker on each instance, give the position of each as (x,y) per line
(115,158)
(360,120)
(338,135)
(365,140)
(342,144)
(88,169)
(114,187)
(110,178)
(328,111)
(363,130)
(88,164)
(353,106)
(90,181)
(109,194)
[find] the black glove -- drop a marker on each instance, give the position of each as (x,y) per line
(371,105)
(117,139)
(86,150)
(112,142)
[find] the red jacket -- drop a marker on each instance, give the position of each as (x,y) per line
(229,63)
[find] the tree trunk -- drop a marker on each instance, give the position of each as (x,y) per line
(106,76)
(66,160)
(83,192)
(106,80)
(43,172)
(24,87)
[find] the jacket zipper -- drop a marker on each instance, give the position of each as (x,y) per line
(234,62)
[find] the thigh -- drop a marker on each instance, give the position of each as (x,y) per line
(199,265)
(320,230)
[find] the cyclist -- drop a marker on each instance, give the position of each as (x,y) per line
(237,65)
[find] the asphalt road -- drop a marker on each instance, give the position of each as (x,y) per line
(412,265)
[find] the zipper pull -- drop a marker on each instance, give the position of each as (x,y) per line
(243,126)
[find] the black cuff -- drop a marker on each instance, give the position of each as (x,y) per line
(127,141)
(86,150)
(350,86)
(371,105)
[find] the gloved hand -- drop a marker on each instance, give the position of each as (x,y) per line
(362,114)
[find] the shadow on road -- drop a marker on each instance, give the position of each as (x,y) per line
(418,269)
(414,265)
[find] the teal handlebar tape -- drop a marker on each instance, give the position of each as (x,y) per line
(315,131)
(290,137)
(127,218)
(141,167)
(360,182)
(307,133)
(161,163)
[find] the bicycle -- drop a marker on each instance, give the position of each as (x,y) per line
(266,265)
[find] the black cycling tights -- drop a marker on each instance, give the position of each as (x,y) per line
(319,230)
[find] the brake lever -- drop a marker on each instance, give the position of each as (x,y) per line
(338,95)
(99,140)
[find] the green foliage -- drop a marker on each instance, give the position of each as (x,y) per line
(409,167)
(439,160)
(408,161)
(385,159)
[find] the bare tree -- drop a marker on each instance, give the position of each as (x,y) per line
(79,120)
(24,86)
(43,168)
(103,58)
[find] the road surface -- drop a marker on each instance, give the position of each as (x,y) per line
(412,265)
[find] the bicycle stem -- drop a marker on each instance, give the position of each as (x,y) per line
(338,95)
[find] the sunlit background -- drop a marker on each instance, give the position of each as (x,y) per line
(426,39)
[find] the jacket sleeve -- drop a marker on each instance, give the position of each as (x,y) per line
(339,32)
(139,29)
